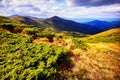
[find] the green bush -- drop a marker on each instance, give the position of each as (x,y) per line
(12,27)
(31,31)
(47,32)
(21,59)
(37,32)
(80,44)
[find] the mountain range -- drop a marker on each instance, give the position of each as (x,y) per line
(60,24)
(69,25)
(104,25)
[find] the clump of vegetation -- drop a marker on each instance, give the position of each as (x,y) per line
(80,44)
(21,59)
(37,32)
(74,34)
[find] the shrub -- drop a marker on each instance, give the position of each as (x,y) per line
(21,59)
(80,44)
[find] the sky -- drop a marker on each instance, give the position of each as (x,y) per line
(61,8)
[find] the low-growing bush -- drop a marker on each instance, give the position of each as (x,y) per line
(80,44)
(37,32)
(21,59)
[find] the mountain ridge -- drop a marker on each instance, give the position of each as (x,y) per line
(69,25)
(61,24)
(104,25)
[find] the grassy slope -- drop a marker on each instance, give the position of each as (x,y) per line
(99,61)
(111,32)
(112,35)
(108,39)
(96,61)
(105,41)
(11,25)
(32,22)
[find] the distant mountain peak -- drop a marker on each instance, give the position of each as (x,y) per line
(14,15)
(98,21)
(56,18)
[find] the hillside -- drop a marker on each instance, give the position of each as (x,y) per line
(11,25)
(106,36)
(31,21)
(42,54)
(111,32)
(69,25)
(6,20)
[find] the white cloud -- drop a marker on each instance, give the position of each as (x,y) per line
(92,12)
(49,8)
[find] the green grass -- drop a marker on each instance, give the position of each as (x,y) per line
(103,39)
(112,35)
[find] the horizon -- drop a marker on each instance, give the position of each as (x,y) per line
(79,20)
(70,9)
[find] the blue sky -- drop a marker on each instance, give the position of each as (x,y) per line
(62,8)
